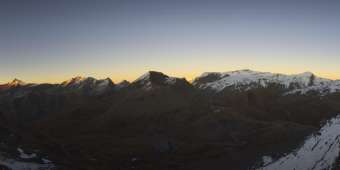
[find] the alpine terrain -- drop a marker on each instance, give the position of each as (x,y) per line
(236,120)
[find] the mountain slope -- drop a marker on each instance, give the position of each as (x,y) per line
(153,80)
(320,151)
(89,85)
(123,84)
(13,84)
(248,79)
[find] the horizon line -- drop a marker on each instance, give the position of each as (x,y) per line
(188,78)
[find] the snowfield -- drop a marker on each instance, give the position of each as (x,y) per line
(296,83)
(20,165)
(319,152)
(23,162)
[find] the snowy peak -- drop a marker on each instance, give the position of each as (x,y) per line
(13,84)
(154,79)
(247,79)
(81,81)
(103,85)
(151,76)
(74,81)
(16,83)
(89,84)
(122,84)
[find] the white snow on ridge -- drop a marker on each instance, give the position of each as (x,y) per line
(144,77)
(147,83)
(171,80)
(319,152)
(74,81)
(102,85)
(301,83)
(327,88)
(23,155)
(98,86)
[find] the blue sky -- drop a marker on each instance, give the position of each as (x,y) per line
(50,41)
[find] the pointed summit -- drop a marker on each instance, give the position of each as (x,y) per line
(154,79)
(151,76)
(13,84)
(73,81)
(16,83)
(122,84)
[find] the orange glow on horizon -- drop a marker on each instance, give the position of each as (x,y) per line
(189,75)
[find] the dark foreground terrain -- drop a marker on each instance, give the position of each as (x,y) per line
(158,122)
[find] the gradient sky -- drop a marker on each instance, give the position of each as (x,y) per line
(54,40)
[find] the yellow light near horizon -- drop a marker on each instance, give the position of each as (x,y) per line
(188,74)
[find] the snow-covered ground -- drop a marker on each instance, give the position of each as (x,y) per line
(18,165)
(319,152)
(23,162)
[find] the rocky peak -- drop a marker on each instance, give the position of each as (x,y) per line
(122,84)
(152,76)
(73,81)
(157,79)
(89,85)
(16,83)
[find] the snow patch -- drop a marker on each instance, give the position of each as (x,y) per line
(23,155)
(171,80)
(14,164)
(266,160)
(318,152)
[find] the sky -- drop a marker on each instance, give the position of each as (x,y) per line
(55,40)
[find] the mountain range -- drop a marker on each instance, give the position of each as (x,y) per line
(242,80)
(228,120)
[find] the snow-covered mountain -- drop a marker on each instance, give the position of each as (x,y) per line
(319,151)
(17,82)
(89,84)
(231,124)
(242,80)
(122,84)
(25,162)
(153,79)
(248,79)
(83,85)
(13,84)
